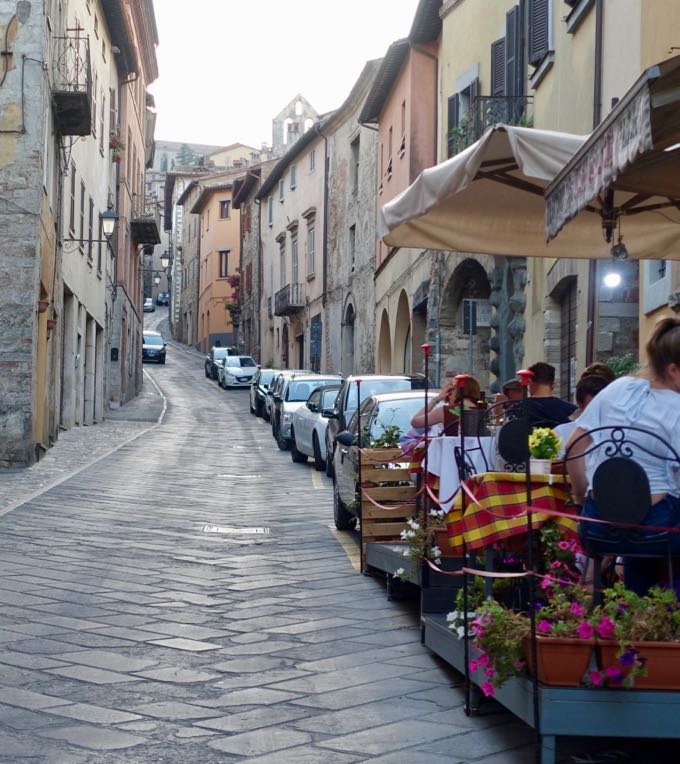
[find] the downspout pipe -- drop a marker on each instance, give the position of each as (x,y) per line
(597,117)
(260,279)
(326,166)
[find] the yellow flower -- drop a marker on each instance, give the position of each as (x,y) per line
(544,443)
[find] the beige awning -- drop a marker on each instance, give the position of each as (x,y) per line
(488,199)
(627,174)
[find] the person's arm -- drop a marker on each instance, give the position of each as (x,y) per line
(576,466)
(434,415)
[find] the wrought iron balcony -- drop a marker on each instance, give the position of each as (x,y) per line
(72,85)
(145,221)
(288,300)
(487,111)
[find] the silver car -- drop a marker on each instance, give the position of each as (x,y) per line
(236,371)
(308,428)
(294,394)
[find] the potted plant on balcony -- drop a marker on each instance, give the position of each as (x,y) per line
(117,146)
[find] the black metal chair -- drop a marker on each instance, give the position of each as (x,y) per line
(621,495)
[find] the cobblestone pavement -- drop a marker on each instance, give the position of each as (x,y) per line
(130,633)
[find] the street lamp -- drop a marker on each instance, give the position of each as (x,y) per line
(109,218)
(165,260)
(157,279)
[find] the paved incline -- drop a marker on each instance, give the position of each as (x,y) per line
(129,634)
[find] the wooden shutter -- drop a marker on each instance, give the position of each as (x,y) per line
(498,67)
(453,113)
(511,44)
(539,31)
(474,115)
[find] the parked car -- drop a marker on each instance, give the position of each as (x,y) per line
(346,403)
(293,394)
(149,307)
(274,386)
(377,413)
(214,358)
(308,427)
(258,390)
(163,298)
(236,371)
(153,347)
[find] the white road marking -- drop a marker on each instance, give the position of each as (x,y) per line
(317,481)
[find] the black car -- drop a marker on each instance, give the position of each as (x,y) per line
(346,402)
(153,347)
(380,415)
(213,358)
(258,390)
(163,298)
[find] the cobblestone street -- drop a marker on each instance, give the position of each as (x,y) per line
(130,634)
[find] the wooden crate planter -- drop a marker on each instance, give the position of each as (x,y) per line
(384,524)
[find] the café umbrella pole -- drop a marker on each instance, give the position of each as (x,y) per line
(525,376)
(460,380)
(424,567)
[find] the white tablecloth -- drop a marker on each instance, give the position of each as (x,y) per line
(441,461)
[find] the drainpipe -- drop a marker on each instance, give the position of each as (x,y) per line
(326,163)
(260,279)
(597,116)
(435,61)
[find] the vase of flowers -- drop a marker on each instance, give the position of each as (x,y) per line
(544,446)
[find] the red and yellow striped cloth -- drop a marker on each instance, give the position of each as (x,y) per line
(498,510)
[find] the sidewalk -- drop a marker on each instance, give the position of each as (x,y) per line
(80,447)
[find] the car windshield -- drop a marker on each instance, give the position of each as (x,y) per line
(243,363)
(328,398)
(375,386)
(266,377)
(394,414)
(300,391)
(220,353)
(153,339)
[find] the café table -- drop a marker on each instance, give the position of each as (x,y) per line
(441,461)
(496,508)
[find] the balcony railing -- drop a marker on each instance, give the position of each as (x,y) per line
(288,300)
(145,221)
(72,85)
(486,111)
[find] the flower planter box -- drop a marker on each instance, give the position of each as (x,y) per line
(560,661)
(662,663)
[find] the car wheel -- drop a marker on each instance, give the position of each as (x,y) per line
(207,373)
(343,520)
(258,408)
(252,409)
(282,443)
(265,414)
(319,463)
(329,463)
(297,456)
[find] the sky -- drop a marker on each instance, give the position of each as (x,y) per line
(228,67)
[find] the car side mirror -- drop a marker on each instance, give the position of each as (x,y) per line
(313,407)
(329,414)
(345,438)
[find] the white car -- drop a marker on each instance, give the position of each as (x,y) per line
(294,394)
(236,371)
(308,427)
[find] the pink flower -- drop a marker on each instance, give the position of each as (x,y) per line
(489,671)
(546,582)
(605,628)
(564,546)
(584,630)
(545,627)
(488,689)
(483,660)
(474,665)
(556,564)
(595,678)
(576,609)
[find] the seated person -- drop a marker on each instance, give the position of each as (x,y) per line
(586,389)
(597,369)
(651,404)
(444,410)
(543,408)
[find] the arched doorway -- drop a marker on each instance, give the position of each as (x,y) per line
(384,345)
(464,322)
(402,336)
(347,360)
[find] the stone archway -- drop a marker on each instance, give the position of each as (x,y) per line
(347,360)
(402,337)
(465,305)
(384,345)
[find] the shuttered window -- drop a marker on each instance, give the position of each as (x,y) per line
(453,112)
(498,67)
(512,52)
(539,30)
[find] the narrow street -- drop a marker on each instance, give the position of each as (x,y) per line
(130,634)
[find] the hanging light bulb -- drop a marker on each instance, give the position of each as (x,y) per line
(612,279)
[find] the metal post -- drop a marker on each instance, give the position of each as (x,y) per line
(424,503)
(361,523)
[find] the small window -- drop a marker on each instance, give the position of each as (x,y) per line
(90,230)
(293,177)
(281,190)
(270,211)
(354,169)
(224,263)
(312,160)
(225,209)
(352,247)
(311,250)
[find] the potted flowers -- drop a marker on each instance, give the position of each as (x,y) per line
(638,639)
(117,146)
(544,446)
